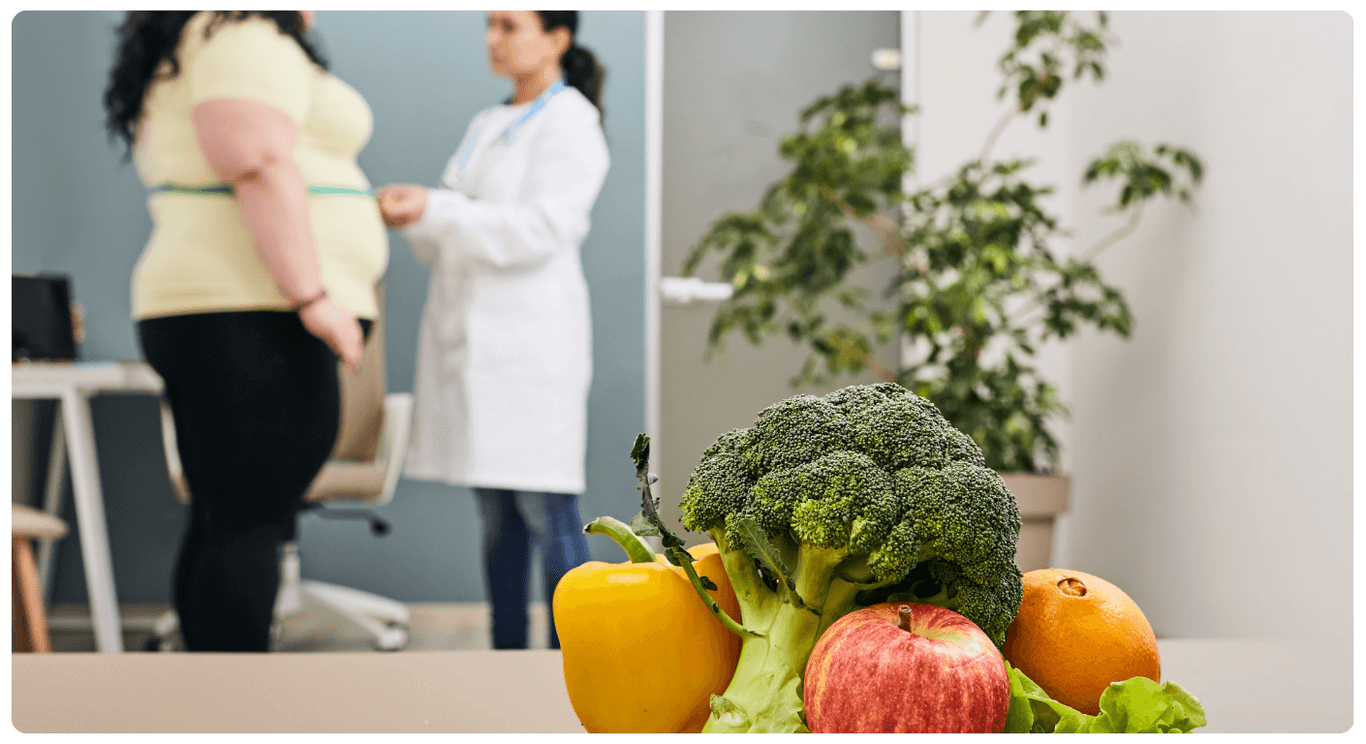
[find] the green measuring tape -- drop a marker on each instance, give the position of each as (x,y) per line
(225,189)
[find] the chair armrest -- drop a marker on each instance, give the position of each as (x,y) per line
(339,480)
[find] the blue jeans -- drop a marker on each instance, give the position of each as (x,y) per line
(511,521)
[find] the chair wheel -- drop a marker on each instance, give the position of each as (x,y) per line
(394,637)
(168,643)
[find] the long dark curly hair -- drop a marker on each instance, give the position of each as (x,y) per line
(148,38)
(581,68)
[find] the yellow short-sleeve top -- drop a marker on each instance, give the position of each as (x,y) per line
(201,256)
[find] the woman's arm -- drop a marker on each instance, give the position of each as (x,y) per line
(568,166)
(251,146)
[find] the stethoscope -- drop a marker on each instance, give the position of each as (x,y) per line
(462,158)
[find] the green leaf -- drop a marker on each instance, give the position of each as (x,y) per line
(640,454)
(1137,705)
(775,709)
(649,512)
(642,526)
(781,711)
(756,545)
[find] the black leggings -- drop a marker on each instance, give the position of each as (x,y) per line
(256,404)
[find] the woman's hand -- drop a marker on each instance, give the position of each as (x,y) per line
(337,328)
(402,204)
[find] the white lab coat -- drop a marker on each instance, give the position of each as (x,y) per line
(505,350)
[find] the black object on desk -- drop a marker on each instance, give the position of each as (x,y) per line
(42,318)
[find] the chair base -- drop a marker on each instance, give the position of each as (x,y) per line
(386,620)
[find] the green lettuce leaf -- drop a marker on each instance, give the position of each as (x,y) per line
(1134,706)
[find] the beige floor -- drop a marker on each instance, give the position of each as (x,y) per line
(432,627)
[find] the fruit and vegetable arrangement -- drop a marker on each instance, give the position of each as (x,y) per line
(861,578)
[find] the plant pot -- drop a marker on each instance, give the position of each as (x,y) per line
(1041,498)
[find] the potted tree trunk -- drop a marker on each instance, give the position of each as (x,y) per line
(977,282)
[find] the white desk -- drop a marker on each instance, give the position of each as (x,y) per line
(377,692)
(73,436)
(1274,686)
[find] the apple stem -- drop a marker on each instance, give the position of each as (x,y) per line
(904,611)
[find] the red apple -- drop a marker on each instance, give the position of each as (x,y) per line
(905,667)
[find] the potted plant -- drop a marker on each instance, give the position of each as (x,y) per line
(976,281)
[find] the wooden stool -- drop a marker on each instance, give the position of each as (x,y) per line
(30,623)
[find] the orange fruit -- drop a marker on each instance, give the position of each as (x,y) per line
(1076,633)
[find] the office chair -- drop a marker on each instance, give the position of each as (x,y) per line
(370,483)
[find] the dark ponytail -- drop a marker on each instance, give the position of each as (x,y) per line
(581,69)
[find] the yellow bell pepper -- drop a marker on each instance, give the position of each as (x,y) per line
(642,652)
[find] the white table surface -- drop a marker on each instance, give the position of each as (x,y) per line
(1279,686)
(49,379)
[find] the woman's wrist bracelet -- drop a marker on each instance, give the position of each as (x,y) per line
(321,294)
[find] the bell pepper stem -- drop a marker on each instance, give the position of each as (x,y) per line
(711,602)
(636,548)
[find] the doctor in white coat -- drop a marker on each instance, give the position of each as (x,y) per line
(505,353)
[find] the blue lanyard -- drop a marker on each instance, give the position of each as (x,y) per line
(463,157)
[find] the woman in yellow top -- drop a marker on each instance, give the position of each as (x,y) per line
(260,272)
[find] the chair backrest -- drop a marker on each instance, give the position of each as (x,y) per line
(168,447)
(393,440)
(372,482)
(362,396)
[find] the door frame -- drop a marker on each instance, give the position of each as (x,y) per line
(654,206)
(654,190)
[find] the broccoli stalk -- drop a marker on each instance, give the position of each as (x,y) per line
(828,504)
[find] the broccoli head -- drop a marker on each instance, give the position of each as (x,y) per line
(830,503)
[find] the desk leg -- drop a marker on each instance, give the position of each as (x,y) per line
(52,499)
(85,487)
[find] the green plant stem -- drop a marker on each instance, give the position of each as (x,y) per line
(1134,217)
(996,132)
(765,690)
(673,549)
(867,360)
(711,602)
(635,546)
(987,147)
(640,552)
(893,242)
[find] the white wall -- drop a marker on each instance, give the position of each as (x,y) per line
(1225,425)
(1210,453)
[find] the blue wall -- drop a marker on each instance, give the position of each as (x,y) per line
(79,209)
